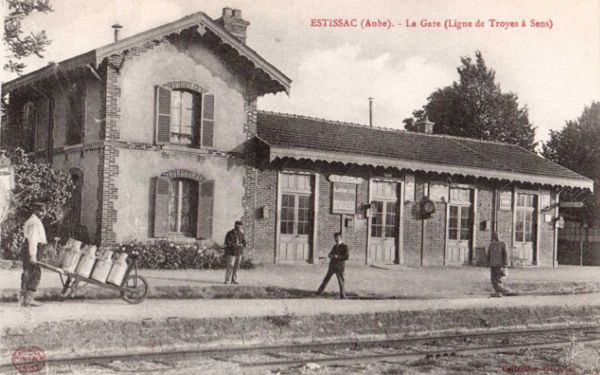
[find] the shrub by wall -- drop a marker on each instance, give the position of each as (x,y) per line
(163,254)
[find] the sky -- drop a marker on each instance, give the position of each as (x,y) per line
(554,71)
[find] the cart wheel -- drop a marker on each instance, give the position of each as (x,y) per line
(141,289)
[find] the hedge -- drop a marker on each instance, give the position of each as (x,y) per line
(166,255)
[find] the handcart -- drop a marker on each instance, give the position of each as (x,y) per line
(133,288)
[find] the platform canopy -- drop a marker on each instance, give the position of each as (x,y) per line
(285,136)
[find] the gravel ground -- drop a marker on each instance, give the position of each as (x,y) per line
(367,281)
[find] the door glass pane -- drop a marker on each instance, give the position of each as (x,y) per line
(465,223)
(453,223)
(303,214)
(287,214)
(377,220)
(529,226)
(390,220)
(519,226)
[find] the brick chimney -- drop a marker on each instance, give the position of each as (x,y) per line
(424,125)
(232,21)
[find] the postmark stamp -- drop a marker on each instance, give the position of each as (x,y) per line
(29,359)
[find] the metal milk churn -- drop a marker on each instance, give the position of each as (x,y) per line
(65,251)
(118,270)
(84,268)
(103,266)
(72,257)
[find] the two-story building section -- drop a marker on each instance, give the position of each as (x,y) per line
(154,128)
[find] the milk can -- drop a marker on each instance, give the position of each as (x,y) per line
(103,266)
(72,257)
(65,252)
(84,268)
(118,270)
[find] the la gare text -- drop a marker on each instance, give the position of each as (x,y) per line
(424,23)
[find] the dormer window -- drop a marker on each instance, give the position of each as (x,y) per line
(184,116)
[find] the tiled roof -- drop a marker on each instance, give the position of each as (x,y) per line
(197,20)
(300,132)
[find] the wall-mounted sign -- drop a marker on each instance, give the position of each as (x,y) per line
(345,179)
(343,198)
(506,200)
(545,199)
(438,191)
(571,204)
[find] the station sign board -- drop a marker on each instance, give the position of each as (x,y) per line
(571,204)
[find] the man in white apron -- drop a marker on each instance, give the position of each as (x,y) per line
(35,234)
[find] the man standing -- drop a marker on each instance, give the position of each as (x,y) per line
(338,255)
(498,260)
(35,234)
(234,247)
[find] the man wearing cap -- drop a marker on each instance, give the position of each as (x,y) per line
(498,261)
(338,256)
(234,247)
(35,234)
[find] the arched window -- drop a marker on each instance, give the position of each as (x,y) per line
(75,113)
(75,206)
(185,117)
(185,114)
(183,206)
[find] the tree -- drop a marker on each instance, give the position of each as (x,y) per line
(35,181)
(475,107)
(577,147)
(19,46)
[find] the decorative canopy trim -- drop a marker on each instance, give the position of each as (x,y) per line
(198,20)
(378,161)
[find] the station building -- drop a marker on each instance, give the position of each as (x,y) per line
(161,134)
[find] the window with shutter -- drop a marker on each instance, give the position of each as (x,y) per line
(184,117)
(161,207)
(75,114)
(205,209)
(163,115)
(208,120)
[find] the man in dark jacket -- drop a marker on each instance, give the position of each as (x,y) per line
(498,260)
(339,256)
(234,247)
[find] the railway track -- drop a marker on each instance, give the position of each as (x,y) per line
(352,351)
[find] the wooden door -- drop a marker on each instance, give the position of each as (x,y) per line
(525,227)
(295,219)
(384,222)
(460,226)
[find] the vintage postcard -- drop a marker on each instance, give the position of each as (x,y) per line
(181,180)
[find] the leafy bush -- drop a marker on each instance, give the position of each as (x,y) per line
(35,181)
(163,254)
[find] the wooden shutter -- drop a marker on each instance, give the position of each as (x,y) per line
(205,209)
(161,207)
(163,115)
(208,120)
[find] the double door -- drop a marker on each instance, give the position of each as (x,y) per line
(460,226)
(295,218)
(525,227)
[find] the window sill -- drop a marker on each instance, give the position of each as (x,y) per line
(72,147)
(185,148)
